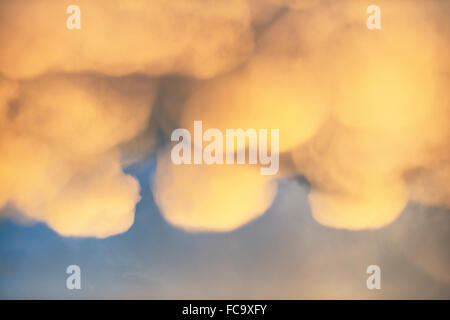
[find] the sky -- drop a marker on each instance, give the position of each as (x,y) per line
(285,254)
(87,178)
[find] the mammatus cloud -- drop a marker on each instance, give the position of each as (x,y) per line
(389,116)
(268,93)
(211,198)
(362,113)
(60,160)
(349,103)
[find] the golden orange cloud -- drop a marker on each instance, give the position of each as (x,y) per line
(196,37)
(60,160)
(211,197)
(362,113)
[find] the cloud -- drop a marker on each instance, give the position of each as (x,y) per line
(211,197)
(362,113)
(194,37)
(60,159)
(296,4)
(385,92)
(348,101)
(267,94)
(429,185)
